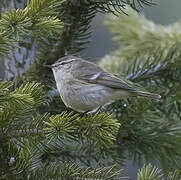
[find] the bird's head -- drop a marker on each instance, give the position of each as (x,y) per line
(65,64)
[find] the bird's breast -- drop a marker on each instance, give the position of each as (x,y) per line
(83,97)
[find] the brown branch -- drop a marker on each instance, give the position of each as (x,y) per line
(21,133)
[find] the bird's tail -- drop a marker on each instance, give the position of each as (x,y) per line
(147,94)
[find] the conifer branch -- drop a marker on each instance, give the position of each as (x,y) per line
(79,16)
(99,129)
(45,142)
(150,56)
(143,36)
(153,173)
(149,172)
(74,171)
(18,23)
(6,171)
(38,138)
(21,133)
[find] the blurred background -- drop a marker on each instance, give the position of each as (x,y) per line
(165,12)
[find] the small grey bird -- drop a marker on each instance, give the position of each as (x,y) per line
(84,86)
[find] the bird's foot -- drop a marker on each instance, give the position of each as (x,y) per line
(95,111)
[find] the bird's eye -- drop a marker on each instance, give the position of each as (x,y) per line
(62,63)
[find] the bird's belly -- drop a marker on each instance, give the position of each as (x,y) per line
(86,97)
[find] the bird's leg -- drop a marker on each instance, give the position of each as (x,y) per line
(97,110)
(84,114)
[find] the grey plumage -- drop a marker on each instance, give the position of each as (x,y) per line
(84,86)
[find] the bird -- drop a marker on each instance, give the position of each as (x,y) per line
(86,87)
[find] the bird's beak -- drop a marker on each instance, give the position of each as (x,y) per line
(47,66)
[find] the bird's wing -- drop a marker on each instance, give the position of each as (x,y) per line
(96,75)
(109,80)
(112,81)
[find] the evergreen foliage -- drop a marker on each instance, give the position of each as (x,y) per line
(153,173)
(153,61)
(41,139)
(32,138)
